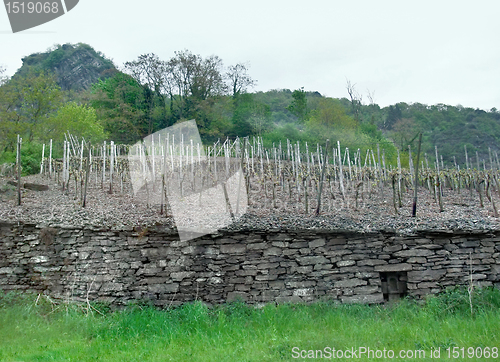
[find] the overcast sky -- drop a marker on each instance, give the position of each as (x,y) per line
(421,51)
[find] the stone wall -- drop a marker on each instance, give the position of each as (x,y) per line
(120,266)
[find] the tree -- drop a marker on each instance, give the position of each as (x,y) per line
(405,131)
(298,107)
(355,98)
(238,78)
(120,104)
(251,116)
(40,96)
(192,79)
(151,72)
(394,115)
(194,85)
(208,80)
(330,113)
(148,70)
(260,120)
(371,97)
(213,117)
(26,102)
(3,76)
(186,86)
(181,71)
(79,120)
(10,122)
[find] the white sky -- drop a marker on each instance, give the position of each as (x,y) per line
(437,51)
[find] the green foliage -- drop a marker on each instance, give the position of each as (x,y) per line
(404,132)
(250,116)
(121,106)
(80,121)
(328,119)
(213,118)
(121,86)
(281,134)
(278,101)
(330,114)
(455,301)
(31,157)
(371,130)
(10,121)
(298,107)
(447,127)
(26,102)
(40,96)
(42,331)
(54,58)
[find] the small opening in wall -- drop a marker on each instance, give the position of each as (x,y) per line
(394,285)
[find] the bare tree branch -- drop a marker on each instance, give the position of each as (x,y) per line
(238,78)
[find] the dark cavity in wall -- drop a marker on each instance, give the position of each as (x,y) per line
(394,285)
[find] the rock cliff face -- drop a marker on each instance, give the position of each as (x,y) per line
(77,67)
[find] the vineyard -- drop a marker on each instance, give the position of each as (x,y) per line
(154,177)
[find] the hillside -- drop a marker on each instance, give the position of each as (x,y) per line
(77,67)
(452,129)
(149,96)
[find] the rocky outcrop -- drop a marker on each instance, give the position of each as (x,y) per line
(77,67)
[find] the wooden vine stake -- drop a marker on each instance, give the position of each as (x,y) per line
(466,157)
(43,157)
(438,183)
(103,165)
(410,164)
(488,193)
(306,194)
(341,173)
(18,160)
(64,166)
(400,204)
(325,161)
(394,194)
(111,166)
(163,167)
(50,159)
(87,172)
(415,185)
(239,149)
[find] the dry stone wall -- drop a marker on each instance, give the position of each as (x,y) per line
(122,266)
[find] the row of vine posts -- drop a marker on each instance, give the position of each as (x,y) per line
(302,177)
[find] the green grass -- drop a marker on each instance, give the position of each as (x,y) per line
(43,331)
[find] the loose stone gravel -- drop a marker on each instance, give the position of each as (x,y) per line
(375,211)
